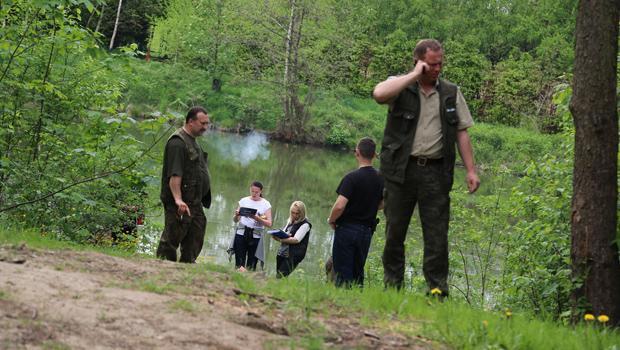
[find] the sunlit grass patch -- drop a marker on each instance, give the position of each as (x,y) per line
(244,282)
(154,286)
(184,305)
(54,345)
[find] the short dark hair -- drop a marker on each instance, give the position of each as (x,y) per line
(423,46)
(259,185)
(193,112)
(367,147)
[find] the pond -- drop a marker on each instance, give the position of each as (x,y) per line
(288,172)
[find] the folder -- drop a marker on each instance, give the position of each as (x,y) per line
(278,233)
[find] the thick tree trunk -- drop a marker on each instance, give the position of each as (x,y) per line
(595,184)
(118,16)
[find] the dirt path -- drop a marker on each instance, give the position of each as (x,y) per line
(87,300)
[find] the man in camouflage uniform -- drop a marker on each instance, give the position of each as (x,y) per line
(185,188)
(427,117)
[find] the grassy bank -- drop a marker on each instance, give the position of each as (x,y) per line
(338,117)
(309,302)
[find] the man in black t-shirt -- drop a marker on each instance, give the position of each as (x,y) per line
(354,215)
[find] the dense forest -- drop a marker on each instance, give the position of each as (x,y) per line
(298,60)
(87,89)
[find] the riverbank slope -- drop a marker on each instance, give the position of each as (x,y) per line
(58,295)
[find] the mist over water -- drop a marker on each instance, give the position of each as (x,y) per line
(253,146)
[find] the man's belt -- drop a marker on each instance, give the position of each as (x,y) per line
(423,161)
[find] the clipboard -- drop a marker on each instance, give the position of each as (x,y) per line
(248,212)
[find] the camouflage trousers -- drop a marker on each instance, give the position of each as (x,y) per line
(428,186)
(186,231)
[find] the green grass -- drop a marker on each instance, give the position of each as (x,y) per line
(54,345)
(4,295)
(184,305)
(307,299)
(451,322)
(36,239)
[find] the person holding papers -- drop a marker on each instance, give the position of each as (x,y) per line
(295,243)
(253,215)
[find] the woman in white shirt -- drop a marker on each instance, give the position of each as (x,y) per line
(250,228)
(293,249)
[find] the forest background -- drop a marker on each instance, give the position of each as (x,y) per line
(78,118)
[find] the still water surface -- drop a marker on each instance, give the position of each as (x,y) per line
(288,173)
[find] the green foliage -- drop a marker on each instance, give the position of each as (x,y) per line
(513,148)
(469,69)
(508,77)
(58,103)
(514,91)
(133,25)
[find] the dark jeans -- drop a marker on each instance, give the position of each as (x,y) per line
(188,232)
(245,251)
(429,186)
(350,250)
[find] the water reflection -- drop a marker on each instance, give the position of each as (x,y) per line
(288,173)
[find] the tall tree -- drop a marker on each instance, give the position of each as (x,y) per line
(118,16)
(594,249)
(292,124)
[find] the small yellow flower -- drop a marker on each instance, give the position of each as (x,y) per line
(603,318)
(485,323)
(588,317)
(435,291)
(508,313)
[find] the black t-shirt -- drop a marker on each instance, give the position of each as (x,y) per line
(364,190)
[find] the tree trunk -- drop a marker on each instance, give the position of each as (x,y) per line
(100,18)
(292,124)
(216,84)
(594,207)
(118,16)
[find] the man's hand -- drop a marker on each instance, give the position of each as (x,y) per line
(473,182)
(331,224)
(182,208)
(420,68)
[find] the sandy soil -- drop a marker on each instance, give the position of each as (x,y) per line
(87,300)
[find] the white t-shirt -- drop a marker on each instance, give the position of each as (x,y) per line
(261,207)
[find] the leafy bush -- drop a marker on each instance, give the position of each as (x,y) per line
(58,101)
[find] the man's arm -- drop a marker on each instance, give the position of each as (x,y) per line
(387,91)
(337,210)
(175,188)
(467,154)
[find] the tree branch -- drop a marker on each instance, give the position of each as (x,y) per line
(88,179)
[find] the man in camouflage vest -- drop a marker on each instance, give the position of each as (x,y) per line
(427,117)
(185,189)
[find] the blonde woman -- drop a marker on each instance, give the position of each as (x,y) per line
(293,249)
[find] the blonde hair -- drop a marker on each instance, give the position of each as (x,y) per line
(302,211)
